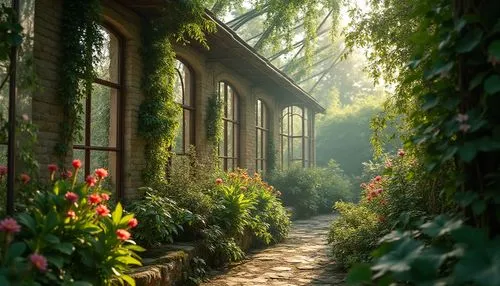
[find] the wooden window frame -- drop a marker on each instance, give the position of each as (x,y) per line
(235,122)
(288,137)
(87,147)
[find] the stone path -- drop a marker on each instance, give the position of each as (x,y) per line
(302,259)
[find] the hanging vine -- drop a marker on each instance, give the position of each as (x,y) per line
(81,40)
(158,113)
(214,119)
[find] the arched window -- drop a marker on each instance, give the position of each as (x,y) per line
(101,144)
(228,146)
(295,142)
(184,96)
(261,136)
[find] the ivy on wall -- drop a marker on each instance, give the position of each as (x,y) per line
(214,119)
(158,113)
(81,40)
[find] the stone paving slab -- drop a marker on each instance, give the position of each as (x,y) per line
(302,259)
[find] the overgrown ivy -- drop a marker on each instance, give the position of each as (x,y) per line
(455,83)
(214,119)
(81,41)
(181,22)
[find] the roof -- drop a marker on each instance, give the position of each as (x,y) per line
(229,49)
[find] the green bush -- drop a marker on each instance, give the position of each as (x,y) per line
(69,234)
(162,219)
(354,234)
(310,191)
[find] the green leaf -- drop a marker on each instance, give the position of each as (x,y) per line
(467,152)
(430,101)
(492,84)
(477,80)
(478,207)
(28,221)
(16,249)
(57,261)
(440,226)
(129,260)
(464,199)
(117,214)
(128,279)
(359,274)
(65,247)
(50,238)
(81,283)
(468,42)
(494,49)
(471,237)
(399,259)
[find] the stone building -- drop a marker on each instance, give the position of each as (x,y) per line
(261,103)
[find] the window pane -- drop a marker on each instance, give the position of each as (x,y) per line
(178,87)
(179,136)
(229,103)
(297,148)
(3,155)
(259,144)
(103,125)
(230,139)
(108,57)
(106,160)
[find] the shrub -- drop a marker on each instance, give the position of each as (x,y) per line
(69,235)
(161,218)
(222,248)
(354,233)
(312,190)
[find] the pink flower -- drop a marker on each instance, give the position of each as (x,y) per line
(71,197)
(25,178)
(218,181)
(101,173)
(39,261)
(133,223)
(90,181)
(3,171)
(388,163)
(105,197)
(122,234)
(462,117)
(25,117)
(9,225)
(76,164)
(95,199)
(378,178)
(379,191)
(71,214)
(464,127)
(52,168)
(401,153)
(102,210)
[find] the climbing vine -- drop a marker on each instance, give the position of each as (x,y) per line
(214,118)
(81,41)
(181,22)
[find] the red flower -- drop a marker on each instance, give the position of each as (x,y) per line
(90,181)
(71,214)
(101,173)
(95,199)
(102,210)
(39,261)
(105,197)
(72,197)
(9,225)
(378,178)
(76,164)
(52,168)
(381,218)
(25,178)
(122,234)
(379,191)
(133,223)
(3,171)
(401,153)
(67,174)
(218,181)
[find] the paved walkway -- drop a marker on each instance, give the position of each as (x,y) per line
(302,259)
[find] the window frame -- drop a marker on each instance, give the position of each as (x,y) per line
(235,122)
(120,103)
(289,137)
(191,107)
(263,130)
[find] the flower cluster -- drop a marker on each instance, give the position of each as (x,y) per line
(373,189)
(245,182)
